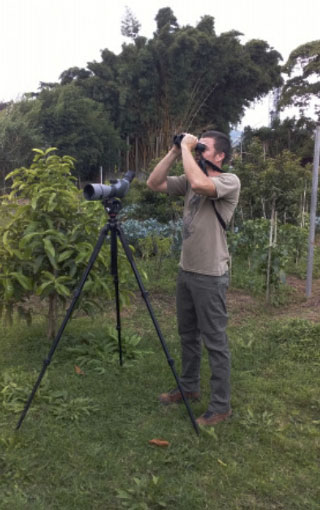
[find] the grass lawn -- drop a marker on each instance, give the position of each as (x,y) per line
(85,442)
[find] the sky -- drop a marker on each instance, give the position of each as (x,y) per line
(39,39)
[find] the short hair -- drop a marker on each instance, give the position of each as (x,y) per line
(221,143)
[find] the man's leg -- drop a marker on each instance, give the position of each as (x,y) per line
(189,334)
(209,295)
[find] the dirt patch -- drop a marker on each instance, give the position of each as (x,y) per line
(302,307)
(241,305)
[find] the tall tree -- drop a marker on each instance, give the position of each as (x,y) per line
(303,87)
(19,133)
(266,182)
(295,135)
(80,127)
(130,26)
(183,78)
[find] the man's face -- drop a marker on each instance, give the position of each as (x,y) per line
(210,153)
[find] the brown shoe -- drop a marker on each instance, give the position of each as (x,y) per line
(175,397)
(209,418)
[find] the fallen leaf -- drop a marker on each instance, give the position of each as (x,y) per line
(78,370)
(159,442)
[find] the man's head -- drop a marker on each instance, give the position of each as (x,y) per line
(218,147)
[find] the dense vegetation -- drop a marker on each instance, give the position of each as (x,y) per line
(124,110)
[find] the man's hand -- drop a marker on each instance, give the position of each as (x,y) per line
(175,150)
(189,142)
(199,182)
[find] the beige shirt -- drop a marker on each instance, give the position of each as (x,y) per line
(204,245)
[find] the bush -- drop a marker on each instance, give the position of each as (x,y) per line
(48,239)
(149,204)
(135,230)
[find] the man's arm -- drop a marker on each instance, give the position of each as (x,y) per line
(157,180)
(199,182)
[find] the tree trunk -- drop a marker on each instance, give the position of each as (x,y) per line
(127,153)
(136,155)
(272,240)
(8,315)
(52,316)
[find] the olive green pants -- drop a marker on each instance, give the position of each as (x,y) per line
(202,316)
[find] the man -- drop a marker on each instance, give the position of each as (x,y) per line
(211,196)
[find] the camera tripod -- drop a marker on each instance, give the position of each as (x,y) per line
(112,207)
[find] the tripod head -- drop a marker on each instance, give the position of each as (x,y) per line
(112,206)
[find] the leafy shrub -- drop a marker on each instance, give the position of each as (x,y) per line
(49,237)
(149,204)
(16,386)
(99,353)
(136,230)
(251,243)
(145,493)
(63,407)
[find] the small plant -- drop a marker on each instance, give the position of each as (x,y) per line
(157,246)
(257,420)
(99,353)
(71,409)
(144,494)
(15,388)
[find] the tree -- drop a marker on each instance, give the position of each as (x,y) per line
(63,117)
(304,86)
(74,73)
(166,20)
(130,26)
(294,135)
(48,238)
(183,78)
(278,183)
(19,133)
(78,126)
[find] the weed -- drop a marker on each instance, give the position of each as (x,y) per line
(98,353)
(145,493)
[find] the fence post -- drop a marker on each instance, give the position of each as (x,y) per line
(313,210)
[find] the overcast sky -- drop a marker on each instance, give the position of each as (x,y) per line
(41,38)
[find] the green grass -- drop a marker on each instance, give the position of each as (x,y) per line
(85,442)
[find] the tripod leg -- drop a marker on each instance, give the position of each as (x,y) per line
(144,294)
(46,363)
(114,272)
